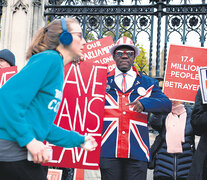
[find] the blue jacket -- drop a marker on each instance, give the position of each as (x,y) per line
(170,165)
(30,101)
(125,132)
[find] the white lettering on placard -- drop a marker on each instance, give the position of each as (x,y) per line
(184,75)
(87,163)
(184,71)
(79,82)
(75,154)
(4,77)
(89,80)
(97,117)
(82,120)
(96,52)
(184,67)
(76,82)
(95,83)
(67,114)
(180,85)
(93,45)
(82,116)
(105,60)
(113,66)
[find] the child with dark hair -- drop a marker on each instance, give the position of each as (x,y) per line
(7,58)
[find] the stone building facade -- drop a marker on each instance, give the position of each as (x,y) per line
(19,21)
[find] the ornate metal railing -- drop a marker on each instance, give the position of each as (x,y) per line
(0,8)
(157,20)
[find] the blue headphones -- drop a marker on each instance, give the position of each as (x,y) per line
(66,37)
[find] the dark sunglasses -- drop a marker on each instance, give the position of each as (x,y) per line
(120,53)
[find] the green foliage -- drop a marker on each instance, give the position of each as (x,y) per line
(90,37)
(141,62)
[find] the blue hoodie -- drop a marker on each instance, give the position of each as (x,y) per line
(29,102)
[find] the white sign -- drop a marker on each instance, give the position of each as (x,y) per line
(203,83)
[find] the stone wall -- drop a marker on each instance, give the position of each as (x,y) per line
(20,20)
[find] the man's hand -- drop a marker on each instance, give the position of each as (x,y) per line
(138,107)
(39,151)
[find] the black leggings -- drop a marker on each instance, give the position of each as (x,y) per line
(22,170)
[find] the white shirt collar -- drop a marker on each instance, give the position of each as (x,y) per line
(118,72)
(130,78)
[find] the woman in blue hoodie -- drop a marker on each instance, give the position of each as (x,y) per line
(29,102)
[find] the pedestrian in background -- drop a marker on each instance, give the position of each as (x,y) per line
(129,96)
(29,102)
(174,154)
(7,58)
(198,170)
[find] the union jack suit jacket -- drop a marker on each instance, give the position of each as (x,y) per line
(125,132)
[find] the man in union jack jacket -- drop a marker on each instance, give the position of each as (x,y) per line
(129,97)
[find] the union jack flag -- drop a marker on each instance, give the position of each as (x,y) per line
(125,127)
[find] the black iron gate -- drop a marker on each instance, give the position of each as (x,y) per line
(157,19)
(0,8)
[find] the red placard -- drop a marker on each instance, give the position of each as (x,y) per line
(82,110)
(54,174)
(181,77)
(98,52)
(6,73)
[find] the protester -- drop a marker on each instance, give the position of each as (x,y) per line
(174,154)
(30,101)
(129,96)
(198,170)
(7,58)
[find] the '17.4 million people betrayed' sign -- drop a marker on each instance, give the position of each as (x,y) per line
(181,77)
